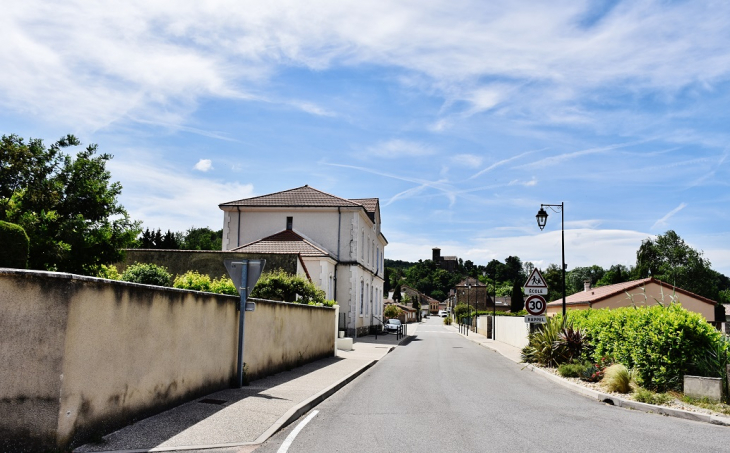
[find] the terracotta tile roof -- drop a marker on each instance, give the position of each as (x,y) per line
(304,196)
(594,295)
(286,242)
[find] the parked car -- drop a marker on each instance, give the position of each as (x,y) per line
(443,313)
(392,325)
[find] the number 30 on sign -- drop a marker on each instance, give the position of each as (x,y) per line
(535,305)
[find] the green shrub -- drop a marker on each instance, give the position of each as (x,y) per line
(278,285)
(574,369)
(618,378)
(392,311)
(109,272)
(149,274)
(448,320)
(663,342)
(193,280)
(15,243)
(643,395)
(223,285)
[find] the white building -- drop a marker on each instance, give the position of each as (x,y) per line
(338,242)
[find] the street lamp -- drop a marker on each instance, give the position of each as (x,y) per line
(541,217)
(468,304)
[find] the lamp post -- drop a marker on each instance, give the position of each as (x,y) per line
(541,217)
(468,304)
(494,303)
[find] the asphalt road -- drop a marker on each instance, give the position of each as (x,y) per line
(443,393)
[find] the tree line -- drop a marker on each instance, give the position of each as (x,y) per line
(667,258)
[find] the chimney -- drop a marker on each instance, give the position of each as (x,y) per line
(586,285)
(436,256)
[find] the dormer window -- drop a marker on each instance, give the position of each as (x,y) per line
(289,222)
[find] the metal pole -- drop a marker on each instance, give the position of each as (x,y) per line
(562,228)
(468,306)
(494,309)
(241,321)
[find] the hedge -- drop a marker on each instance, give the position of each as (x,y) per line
(15,243)
(663,343)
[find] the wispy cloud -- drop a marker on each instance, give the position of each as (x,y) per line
(504,162)
(663,221)
(394,149)
(467,160)
(555,160)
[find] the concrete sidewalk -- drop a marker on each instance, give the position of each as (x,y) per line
(248,416)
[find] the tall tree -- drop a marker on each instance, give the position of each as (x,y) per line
(669,259)
(67,205)
(517,301)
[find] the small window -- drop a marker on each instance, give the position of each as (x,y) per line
(289,222)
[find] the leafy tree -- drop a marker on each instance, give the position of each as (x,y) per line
(68,206)
(618,273)
(576,277)
(671,260)
(202,239)
(553,277)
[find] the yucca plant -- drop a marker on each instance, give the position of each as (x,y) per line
(540,348)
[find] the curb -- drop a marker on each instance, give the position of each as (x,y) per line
(620,402)
(289,416)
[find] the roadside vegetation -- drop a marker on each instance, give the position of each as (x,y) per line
(643,351)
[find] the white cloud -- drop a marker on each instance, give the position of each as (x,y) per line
(151,60)
(168,198)
(394,149)
(663,221)
(467,160)
(204,165)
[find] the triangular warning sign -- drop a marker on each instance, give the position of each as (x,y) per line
(535,280)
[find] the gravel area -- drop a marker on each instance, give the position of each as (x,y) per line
(674,403)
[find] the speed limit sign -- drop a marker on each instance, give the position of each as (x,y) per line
(535,305)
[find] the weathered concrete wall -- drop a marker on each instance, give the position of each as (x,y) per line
(208,262)
(83,355)
(281,335)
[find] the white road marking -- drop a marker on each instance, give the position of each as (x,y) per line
(292,435)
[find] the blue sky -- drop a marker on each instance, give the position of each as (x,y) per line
(461,117)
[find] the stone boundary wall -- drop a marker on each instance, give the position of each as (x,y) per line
(208,262)
(83,356)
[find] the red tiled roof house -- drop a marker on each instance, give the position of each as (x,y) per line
(338,242)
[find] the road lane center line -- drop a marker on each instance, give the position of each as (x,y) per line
(292,435)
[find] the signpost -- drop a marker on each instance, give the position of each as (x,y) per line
(535,287)
(245,274)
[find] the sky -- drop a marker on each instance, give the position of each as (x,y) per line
(461,117)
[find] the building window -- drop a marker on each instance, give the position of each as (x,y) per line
(367,306)
(362,296)
(289,223)
(362,245)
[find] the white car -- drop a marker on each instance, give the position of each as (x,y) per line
(443,313)
(392,325)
